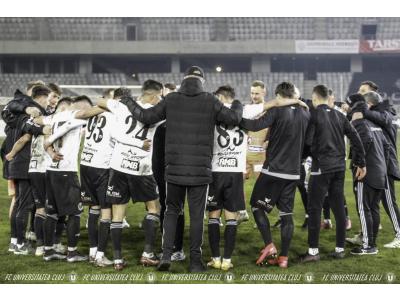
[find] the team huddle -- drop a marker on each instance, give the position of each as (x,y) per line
(62,154)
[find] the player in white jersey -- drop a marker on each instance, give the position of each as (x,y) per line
(228,165)
(94,172)
(62,184)
(131,174)
(94,168)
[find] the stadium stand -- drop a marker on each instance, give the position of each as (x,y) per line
(185,29)
(18,29)
(82,29)
(10,82)
(193,29)
(338,82)
(271,28)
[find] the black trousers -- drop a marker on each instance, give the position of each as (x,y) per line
(24,204)
(197,199)
(302,187)
(319,185)
(367,200)
(390,206)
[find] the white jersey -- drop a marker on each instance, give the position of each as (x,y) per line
(40,159)
(68,145)
(99,143)
(127,158)
(230,144)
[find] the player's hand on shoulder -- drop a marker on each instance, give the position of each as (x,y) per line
(357,116)
(33,111)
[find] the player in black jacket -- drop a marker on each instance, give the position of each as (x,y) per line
(191,115)
(276,184)
(18,170)
(325,138)
(369,191)
(382,114)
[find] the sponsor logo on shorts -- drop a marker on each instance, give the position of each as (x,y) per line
(265,205)
(111,193)
(87,157)
(210,201)
(85,198)
(131,165)
(227,162)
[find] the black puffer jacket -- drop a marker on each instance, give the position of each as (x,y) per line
(383,115)
(191,115)
(17,124)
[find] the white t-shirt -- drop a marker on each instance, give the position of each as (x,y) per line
(68,145)
(99,143)
(125,157)
(40,159)
(230,143)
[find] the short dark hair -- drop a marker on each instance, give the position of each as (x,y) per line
(321,90)
(258,83)
(285,89)
(55,88)
(330,92)
(82,98)
(151,85)
(170,86)
(226,90)
(107,92)
(67,100)
(373,86)
(33,83)
(122,92)
(40,90)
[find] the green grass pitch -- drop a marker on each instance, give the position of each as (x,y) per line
(367,269)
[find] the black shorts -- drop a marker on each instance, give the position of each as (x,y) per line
(38,183)
(94,186)
(122,187)
(270,191)
(226,192)
(63,193)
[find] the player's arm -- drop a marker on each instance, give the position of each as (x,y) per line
(18,145)
(357,145)
(126,140)
(284,102)
(382,119)
(88,113)
(40,120)
(147,116)
(229,116)
(63,130)
(363,131)
(102,103)
(261,123)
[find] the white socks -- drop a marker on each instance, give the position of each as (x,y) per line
(313,251)
(99,255)
(92,251)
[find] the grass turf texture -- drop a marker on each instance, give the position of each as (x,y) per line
(370,269)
